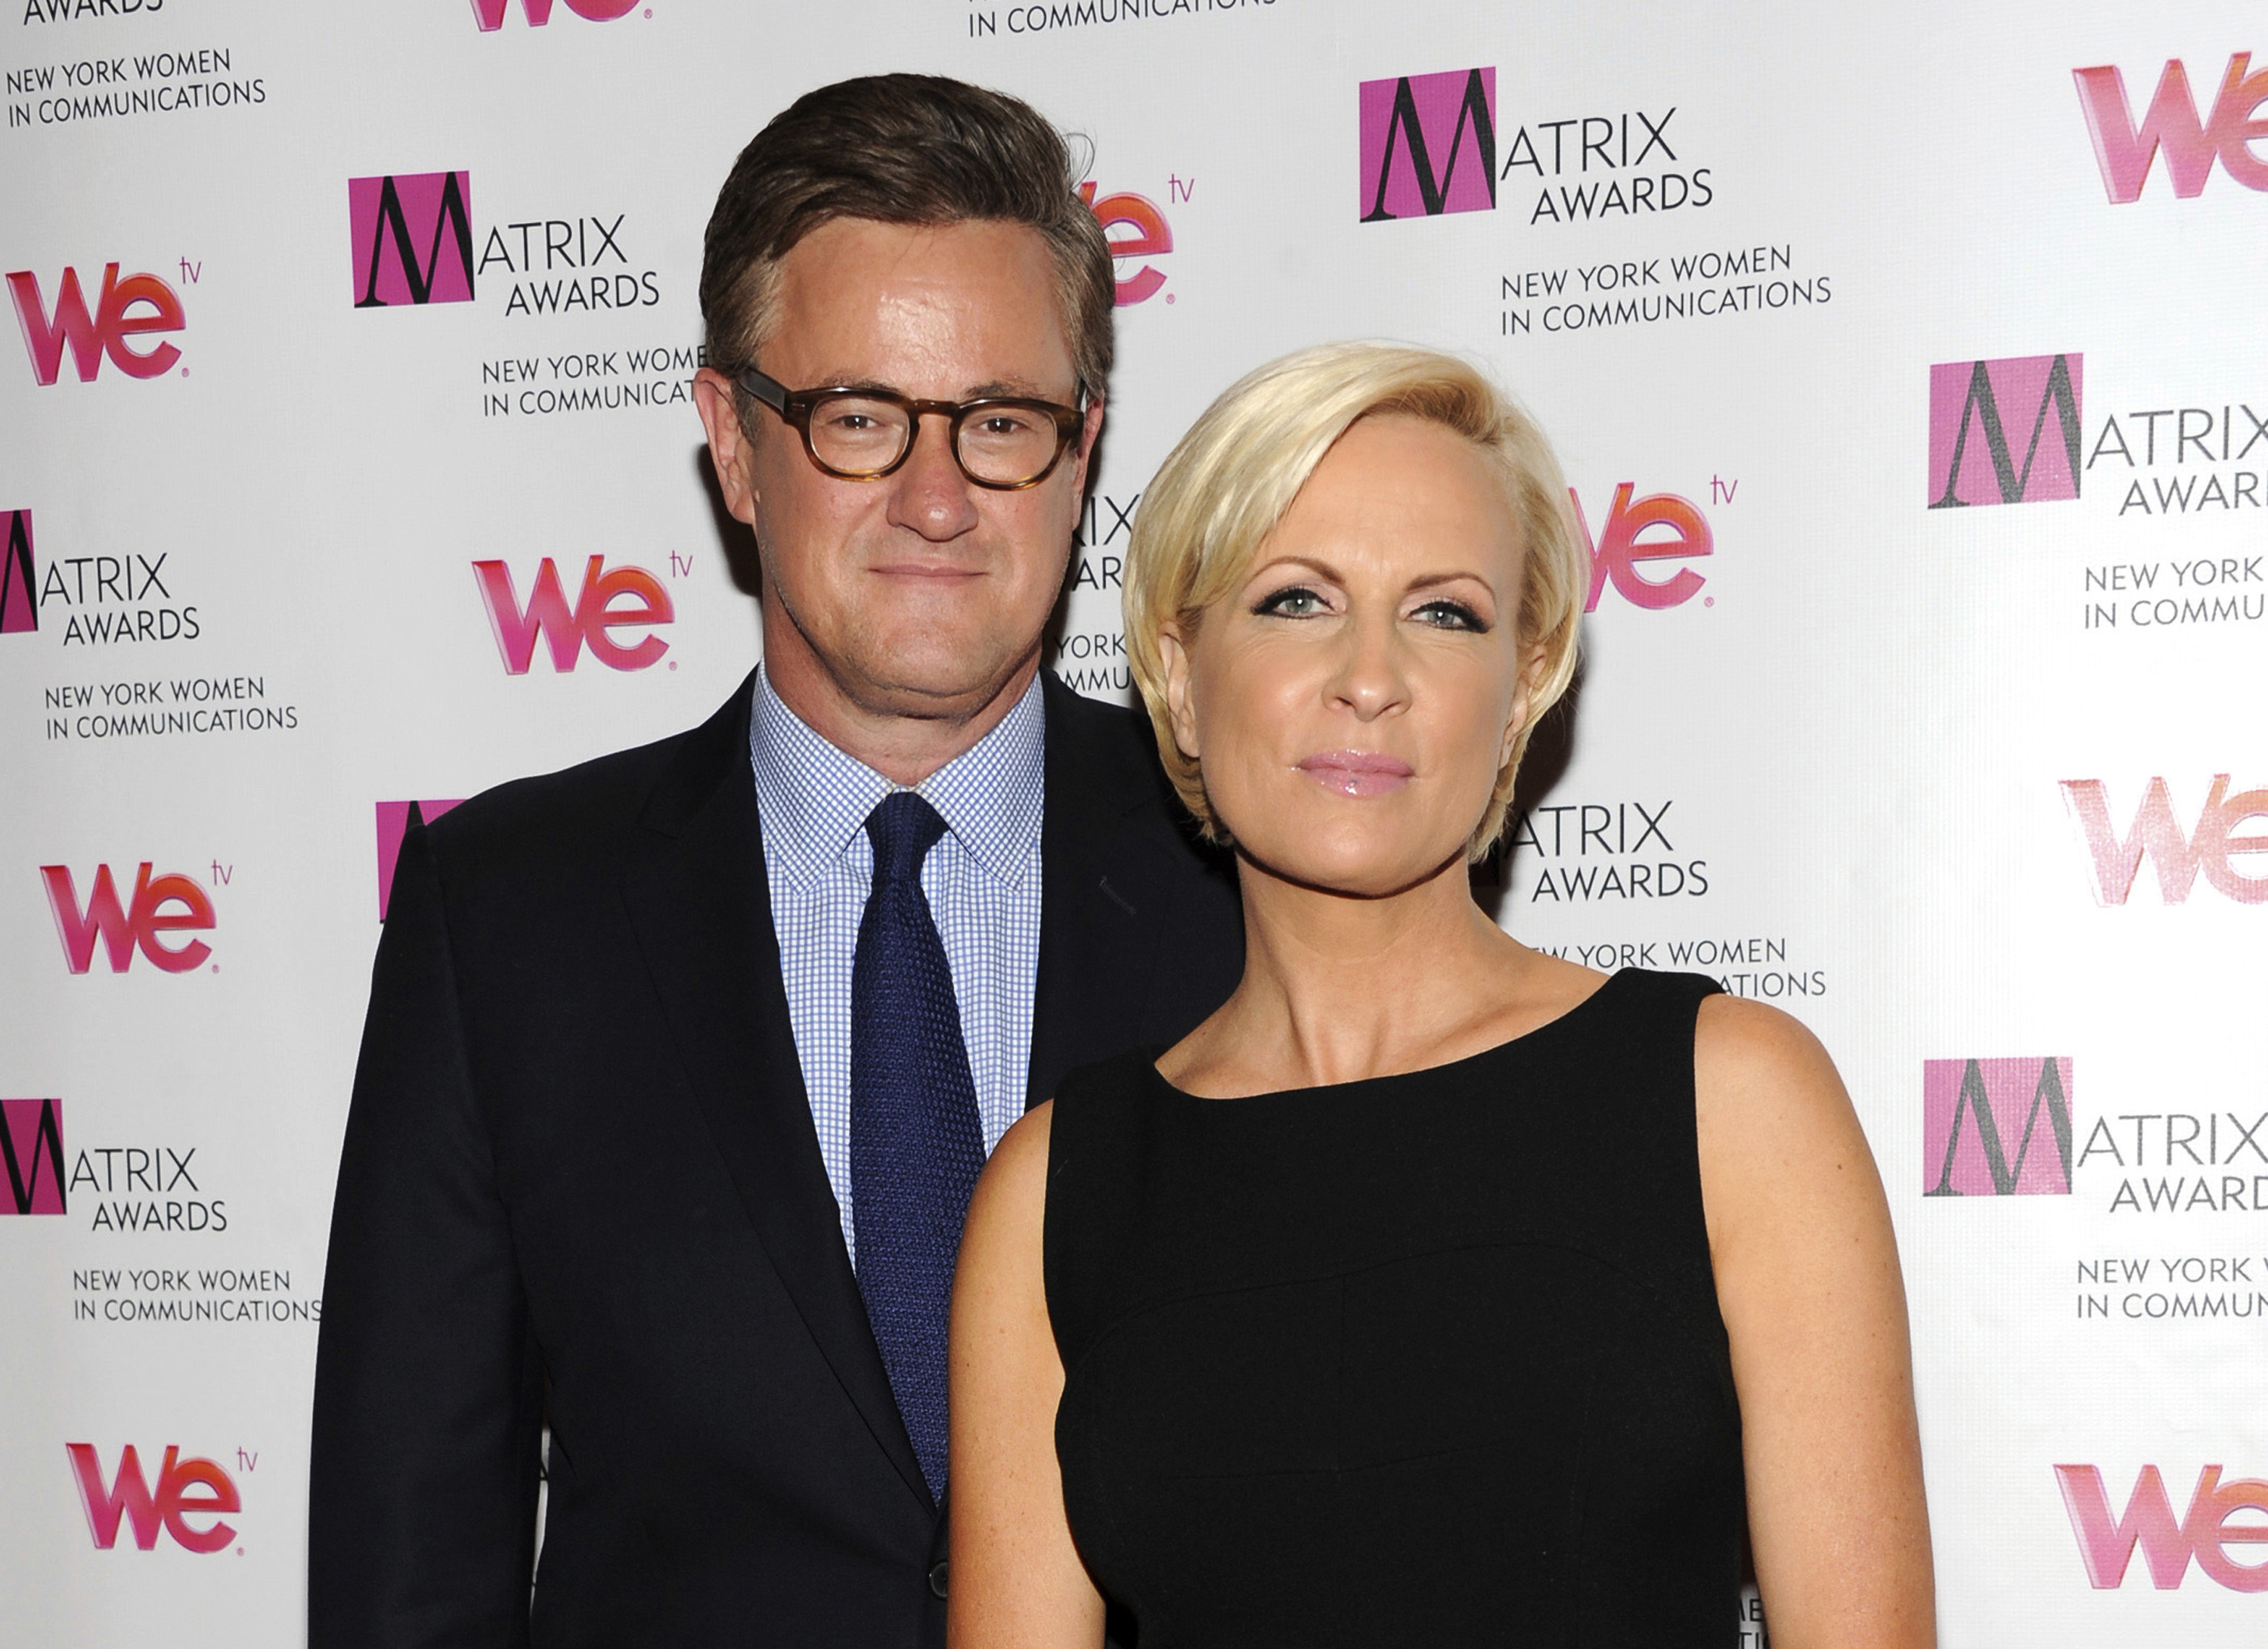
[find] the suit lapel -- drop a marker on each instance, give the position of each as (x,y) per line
(1104,901)
(701,905)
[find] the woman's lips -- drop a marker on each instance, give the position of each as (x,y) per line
(1358,772)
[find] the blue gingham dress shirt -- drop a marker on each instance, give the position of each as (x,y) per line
(982,879)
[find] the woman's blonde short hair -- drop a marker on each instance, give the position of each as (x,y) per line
(1223,489)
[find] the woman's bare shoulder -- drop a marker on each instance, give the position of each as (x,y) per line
(1741,1041)
(1017,1170)
(1779,1139)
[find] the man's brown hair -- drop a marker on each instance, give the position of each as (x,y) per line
(917,150)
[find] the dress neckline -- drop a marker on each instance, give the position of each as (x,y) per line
(1495,1050)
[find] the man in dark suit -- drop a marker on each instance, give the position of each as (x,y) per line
(680,1064)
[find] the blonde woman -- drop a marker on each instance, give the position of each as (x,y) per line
(1433,1290)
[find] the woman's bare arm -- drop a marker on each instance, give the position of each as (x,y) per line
(1808,1281)
(1016,1580)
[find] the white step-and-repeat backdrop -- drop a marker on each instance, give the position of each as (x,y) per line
(1908,364)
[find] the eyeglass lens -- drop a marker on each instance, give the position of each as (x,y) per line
(999,444)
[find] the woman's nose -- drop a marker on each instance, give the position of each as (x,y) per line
(1370,679)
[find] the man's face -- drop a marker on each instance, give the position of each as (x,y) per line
(920,594)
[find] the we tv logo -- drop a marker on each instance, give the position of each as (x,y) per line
(2125,149)
(1981,1133)
(411,234)
(124,310)
(161,906)
(1971,459)
(2106,1544)
(1153,237)
(611,598)
(185,1490)
(2177,856)
(1405,123)
(1623,550)
(489,14)
(32,1145)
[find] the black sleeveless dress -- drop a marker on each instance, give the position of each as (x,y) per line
(1431,1359)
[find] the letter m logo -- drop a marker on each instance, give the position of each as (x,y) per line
(1971,459)
(412,234)
(1406,123)
(19,600)
(1973,1111)
(32,1144)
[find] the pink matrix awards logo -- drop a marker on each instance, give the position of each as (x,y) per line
(395,819)
(1428,144)
(32,1143)
(19,600)
(1996,1127)
(412,234)
(1990,440)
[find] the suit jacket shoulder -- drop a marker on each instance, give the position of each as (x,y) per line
(1141,933)
(584,819)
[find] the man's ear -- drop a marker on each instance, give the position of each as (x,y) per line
(1083,454)
(1172,654)
(729,448)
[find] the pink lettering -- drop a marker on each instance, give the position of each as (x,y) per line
(2125,151)
(1617,551)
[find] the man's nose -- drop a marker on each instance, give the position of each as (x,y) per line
(928,494)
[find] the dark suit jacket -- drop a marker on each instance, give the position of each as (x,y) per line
(580,1184)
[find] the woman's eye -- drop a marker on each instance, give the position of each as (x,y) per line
(1296,602)
(1449,615)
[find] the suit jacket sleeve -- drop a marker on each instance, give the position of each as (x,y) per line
(428,1386)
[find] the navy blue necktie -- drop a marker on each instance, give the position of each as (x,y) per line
(915,1143)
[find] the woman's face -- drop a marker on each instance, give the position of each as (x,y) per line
(1352,702)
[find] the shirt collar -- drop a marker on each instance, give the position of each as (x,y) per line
(814,799)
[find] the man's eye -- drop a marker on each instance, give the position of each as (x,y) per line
(1449,615)
(1298,601)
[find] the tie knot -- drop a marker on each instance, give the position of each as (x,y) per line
(903,830)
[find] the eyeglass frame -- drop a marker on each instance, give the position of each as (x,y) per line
(796,406)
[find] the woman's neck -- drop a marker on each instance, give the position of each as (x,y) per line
(1337,989)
